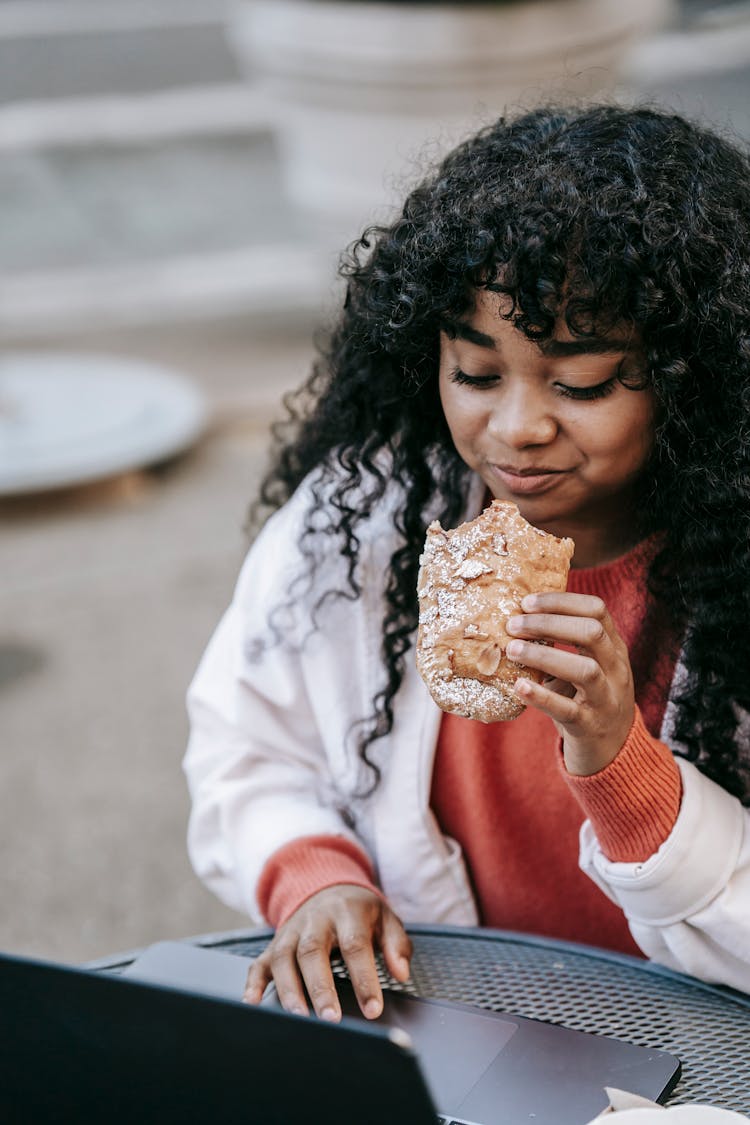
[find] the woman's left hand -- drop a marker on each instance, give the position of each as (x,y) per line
(588,693)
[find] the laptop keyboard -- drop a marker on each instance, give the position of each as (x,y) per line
(455,1121)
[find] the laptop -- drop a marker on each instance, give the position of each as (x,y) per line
(169,1041)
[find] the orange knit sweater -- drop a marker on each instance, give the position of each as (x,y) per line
(501,790)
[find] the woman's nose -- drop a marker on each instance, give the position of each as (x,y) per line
(521,417)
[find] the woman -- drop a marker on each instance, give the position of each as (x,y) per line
(560,317)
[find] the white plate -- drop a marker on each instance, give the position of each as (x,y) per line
(68,419)
(676,1115)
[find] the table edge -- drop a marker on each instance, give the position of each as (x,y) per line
(476,933)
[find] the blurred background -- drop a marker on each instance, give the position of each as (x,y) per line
(177,178)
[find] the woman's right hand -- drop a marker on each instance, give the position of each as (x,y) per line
(349,918)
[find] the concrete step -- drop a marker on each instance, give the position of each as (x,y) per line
(166,226)
(76,48)
(140,181)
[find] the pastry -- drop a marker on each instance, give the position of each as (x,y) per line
(471,580)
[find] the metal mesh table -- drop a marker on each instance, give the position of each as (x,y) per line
(706,1027)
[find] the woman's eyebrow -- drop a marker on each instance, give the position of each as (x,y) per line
(587,345)
(555,349)
(464,331)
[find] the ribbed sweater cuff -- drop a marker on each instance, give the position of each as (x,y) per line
(633,802)
(305,866)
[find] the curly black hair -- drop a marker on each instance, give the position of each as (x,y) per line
(601,214)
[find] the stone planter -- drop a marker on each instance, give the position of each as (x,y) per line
(363,93)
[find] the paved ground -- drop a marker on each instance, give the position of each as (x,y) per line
(109,593)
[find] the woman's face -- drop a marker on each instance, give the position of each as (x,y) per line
(550,427)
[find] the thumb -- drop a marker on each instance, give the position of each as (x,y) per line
(396,946)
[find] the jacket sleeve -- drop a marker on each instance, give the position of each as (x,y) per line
(257,766)
(688,905)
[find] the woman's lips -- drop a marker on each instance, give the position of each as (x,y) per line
(528,482)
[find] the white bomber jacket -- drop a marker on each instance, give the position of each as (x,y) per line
(272,757)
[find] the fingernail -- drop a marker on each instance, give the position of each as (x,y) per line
(529,602)
(329,1014)
(522,687)
(515,624)
(372,1009)
(515,648)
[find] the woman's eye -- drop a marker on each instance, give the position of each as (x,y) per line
(464,380)
(586,394)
